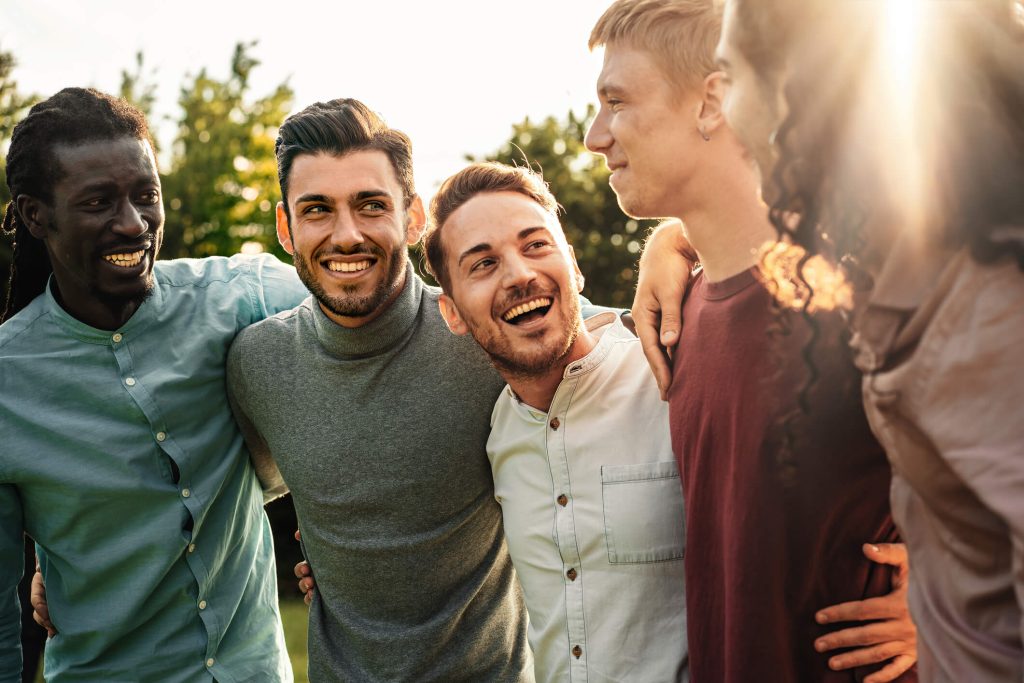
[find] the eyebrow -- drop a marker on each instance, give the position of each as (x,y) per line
(312,197)
(485,246)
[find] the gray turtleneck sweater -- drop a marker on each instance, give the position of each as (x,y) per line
(380,433)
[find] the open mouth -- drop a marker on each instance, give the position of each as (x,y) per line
(126,259)
(528,311)
(348,267)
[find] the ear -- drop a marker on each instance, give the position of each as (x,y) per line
(710,117)
(284,235)
(451,315)
(417,221)
(580,280)
(35,213)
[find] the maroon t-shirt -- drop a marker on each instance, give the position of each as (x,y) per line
(773,531)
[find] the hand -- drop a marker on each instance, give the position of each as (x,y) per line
(37,598)
(891,635)
(657,307)
(305,576)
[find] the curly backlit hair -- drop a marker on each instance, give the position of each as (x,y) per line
(73,116)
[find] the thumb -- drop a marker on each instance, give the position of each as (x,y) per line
(669,332)
(886,553)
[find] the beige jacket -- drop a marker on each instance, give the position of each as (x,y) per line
(941,343)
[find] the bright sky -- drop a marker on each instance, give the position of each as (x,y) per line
(453,74)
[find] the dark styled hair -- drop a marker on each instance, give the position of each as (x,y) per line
(71,117)
(460,188)
(338,127)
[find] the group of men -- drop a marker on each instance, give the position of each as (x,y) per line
(446,485)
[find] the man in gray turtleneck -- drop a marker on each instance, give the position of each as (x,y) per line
(377,419)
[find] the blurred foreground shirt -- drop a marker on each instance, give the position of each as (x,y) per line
(121,459)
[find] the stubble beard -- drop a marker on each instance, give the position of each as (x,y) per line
(350,304)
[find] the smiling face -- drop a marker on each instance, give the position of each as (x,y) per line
(514,282)
(646,129)
(753,107)
(103,228)
(348,233)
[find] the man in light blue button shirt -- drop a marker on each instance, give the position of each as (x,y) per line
(579,445)
(120,457)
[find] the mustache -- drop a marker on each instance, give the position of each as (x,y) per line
(124,246)
(518,295)
(365,249)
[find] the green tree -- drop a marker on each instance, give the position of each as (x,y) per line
(13,105)
(606,241)
(222,184)
(139,87)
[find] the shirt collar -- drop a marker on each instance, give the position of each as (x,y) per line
(378,335)
(139,320)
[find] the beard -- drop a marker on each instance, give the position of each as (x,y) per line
(350,303)
(537,359)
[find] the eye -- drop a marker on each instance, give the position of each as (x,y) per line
(150,197)
(314,209)
(613,103)
(482,264)
(375,206)
(536,244)
(95,203)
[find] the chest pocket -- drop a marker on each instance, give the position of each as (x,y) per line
(643,512)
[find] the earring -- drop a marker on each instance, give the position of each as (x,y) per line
(703,134)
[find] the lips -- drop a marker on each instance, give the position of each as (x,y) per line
(526,310)
(127,256)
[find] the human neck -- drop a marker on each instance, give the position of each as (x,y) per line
(729,227)
(538,390)
(102,315)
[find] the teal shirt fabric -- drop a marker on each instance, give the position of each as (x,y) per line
(120,458)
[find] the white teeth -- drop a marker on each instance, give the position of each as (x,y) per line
(343,267)
(125,260)
(526,308)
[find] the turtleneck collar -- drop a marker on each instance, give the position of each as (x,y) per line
(378,335)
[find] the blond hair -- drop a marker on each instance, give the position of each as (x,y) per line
(681,35)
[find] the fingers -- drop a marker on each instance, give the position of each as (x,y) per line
(656,358)
(298,535)
(887,553)
(871,655)
(870,634)
(302,570)
(893,670)
(891,606)
(308,597)
(37,598)
(306,581)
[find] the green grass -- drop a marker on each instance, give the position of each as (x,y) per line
(294,615)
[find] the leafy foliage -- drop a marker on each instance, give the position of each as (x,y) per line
(221,190)
(607,242)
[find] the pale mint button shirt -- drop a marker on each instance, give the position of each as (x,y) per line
(593,513)
(120,458)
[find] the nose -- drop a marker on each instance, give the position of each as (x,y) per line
(598,137)
(130,221)
(517,273)
(346,233)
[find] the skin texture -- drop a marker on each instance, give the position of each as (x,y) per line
(107,201)
(504,250)
(349,211)
(644,129)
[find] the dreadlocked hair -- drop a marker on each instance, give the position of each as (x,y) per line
(71,117)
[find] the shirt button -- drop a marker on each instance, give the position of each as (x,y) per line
(161,436)
(130,381)
(185,493)
(191,547)
(563,500)
(117,338)
(202,604)
(577,651)
(209,662)
(571,574)
(555,423)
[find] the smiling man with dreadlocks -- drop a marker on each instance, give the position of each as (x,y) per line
(120,457)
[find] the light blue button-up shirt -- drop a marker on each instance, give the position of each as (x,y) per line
(120,458)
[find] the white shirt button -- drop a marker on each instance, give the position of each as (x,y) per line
(161,436)
(202,604)
(191,547)
(185,493)
(209,662)
(130,381)
(117,337)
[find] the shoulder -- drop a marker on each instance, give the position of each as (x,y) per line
(210,269)
(285,325)
(17,330)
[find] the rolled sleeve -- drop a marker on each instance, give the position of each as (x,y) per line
(12,564)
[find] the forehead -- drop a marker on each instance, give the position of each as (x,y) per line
(122,161)
(629,68)
(342,176)
(492,218)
